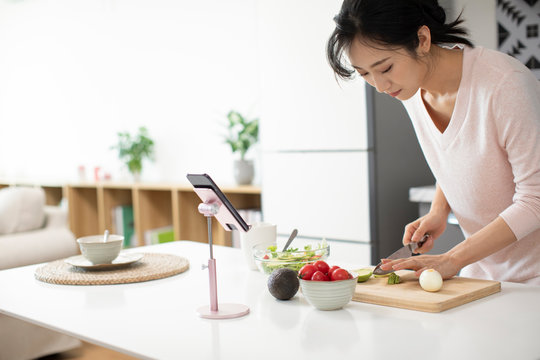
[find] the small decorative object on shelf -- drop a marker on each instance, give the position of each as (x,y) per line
(81,171)
(243,133)
(134,149)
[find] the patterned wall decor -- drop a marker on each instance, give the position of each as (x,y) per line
(518,23)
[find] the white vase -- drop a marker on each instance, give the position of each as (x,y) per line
(244,172)
(136,176)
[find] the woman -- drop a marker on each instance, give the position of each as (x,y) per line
(476,113)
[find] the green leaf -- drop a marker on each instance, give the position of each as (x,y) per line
(242,133)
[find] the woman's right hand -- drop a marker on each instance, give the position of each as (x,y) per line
(433,223)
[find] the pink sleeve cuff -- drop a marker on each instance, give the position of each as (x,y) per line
(522,221)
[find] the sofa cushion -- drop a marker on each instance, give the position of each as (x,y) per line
(21,209)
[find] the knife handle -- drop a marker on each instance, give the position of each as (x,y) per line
(423,240)
(420,243)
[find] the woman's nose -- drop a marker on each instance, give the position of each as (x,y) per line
(380,84)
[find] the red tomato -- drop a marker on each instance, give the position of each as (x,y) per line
(322,266)
(307,271)
(340,274)
(335,267)
(320,276)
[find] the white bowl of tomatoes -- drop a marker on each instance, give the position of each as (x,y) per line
(327,287)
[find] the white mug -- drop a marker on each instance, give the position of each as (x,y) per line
(260,233)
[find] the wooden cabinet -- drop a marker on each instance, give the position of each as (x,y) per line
(54,193)
(154,206)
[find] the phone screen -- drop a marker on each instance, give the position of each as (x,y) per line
(204,181)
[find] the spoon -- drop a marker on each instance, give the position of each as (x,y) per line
(106,236)
(291,238)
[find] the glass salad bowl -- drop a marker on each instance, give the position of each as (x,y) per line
(268,258)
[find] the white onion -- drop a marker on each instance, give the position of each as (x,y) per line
(431,280)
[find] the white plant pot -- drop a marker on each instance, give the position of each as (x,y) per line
(136,176)
(244,172)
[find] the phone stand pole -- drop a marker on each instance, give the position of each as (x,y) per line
(215,311)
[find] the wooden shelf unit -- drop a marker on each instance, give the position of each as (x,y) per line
(54,193)
(154,206)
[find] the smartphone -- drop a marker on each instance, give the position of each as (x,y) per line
(210,193)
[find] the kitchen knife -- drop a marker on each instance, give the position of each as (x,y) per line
(404,252)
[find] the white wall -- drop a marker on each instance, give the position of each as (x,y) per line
(75,72)
(480,20)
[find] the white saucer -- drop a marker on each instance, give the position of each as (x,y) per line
(121,260)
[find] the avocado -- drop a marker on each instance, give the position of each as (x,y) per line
(283,283)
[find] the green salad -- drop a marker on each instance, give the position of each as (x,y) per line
(292,258)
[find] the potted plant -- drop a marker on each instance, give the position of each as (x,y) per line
(132,150)
(243,133)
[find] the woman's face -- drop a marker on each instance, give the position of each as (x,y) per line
(394,72)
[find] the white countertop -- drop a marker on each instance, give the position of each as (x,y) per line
(158,319)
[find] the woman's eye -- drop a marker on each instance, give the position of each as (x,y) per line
(387,70)
(361,73)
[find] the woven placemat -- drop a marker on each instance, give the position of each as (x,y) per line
(151,267)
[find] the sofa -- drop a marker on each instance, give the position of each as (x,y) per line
(50,242)
(31,233)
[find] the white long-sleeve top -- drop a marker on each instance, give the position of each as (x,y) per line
(487,161)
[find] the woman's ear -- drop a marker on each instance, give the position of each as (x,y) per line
(424,40)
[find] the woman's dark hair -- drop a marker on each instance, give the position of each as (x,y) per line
(389,22)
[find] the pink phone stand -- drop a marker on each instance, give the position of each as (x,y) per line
(210,208)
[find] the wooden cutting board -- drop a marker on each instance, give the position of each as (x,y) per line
(409,295)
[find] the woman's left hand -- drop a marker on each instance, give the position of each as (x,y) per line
(443,263)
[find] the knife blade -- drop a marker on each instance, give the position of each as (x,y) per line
(404,252)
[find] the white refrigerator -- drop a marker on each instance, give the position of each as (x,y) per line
(313,132)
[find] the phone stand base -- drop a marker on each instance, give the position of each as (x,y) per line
(225,311)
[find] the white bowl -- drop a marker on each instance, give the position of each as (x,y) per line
(329,295)
(97,251)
